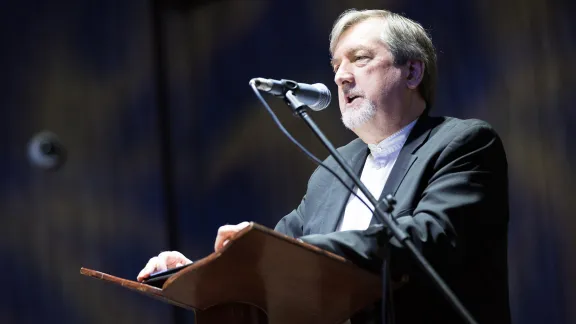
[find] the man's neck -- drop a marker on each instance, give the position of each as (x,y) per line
(383,126)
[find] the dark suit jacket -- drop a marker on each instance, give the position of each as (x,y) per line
(450,183)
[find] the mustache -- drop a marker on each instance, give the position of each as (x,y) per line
(348,91)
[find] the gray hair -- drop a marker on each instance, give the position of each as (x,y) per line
(405,38)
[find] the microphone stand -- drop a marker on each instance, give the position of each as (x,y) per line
(380,209)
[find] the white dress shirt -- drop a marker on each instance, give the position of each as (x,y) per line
(374,175)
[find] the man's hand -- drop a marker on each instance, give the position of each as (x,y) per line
(226,232)
(170,260)
(164,261)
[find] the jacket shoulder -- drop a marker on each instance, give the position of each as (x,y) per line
(449,128)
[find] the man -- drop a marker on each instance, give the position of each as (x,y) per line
(449,178)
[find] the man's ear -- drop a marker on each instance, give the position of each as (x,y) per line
(415,73)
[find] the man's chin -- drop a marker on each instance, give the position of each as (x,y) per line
(352,124)
(354,119)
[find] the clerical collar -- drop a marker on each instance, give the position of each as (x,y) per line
(392,144)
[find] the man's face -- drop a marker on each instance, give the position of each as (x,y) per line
(368,82)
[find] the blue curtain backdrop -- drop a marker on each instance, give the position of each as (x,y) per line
(166,141)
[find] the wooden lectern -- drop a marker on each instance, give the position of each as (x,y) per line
(262,276)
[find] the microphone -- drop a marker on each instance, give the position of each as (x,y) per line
(316,96)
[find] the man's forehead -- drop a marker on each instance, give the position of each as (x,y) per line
(364,35)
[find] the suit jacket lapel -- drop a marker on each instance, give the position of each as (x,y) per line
(339,194)
(406,158)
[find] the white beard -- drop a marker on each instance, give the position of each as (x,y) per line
(354,118)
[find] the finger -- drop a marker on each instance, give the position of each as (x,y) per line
(166,260)
(227,229)
(177,257)
(222,245)
(223,232)
(223,235)
(186,260)
(173,258)
(243,225)
(220,238)
(152,265)
(163,261)
(226,233)
(141,276)
(148,269)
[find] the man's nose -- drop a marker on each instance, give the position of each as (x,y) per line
(343,77)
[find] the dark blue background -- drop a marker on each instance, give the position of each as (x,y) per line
(167,142)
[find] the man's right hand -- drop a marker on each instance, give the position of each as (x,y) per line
(170,260)
(162,262)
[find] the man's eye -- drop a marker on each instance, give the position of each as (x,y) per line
(362,58)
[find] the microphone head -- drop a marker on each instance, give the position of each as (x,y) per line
(324,97)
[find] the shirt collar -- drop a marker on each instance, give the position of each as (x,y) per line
(392,144)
